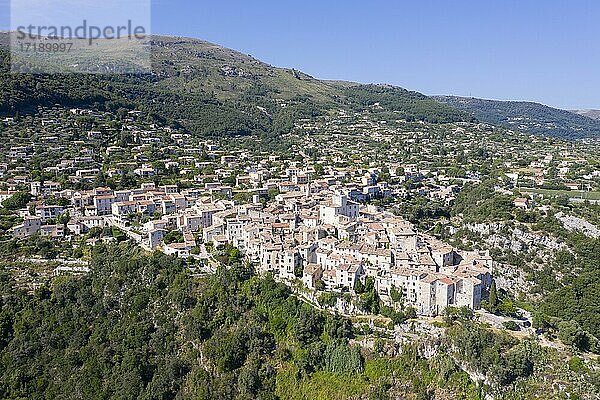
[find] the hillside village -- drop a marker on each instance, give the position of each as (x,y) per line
(409,230)
(306,216)
(217,227)
(323,238)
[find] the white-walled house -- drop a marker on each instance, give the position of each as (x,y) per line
(29,227)
(338,206)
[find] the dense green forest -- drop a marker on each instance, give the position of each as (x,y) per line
(577,298)
(140,326)
(23,93)
(527,117)
(480,203)
(400,103)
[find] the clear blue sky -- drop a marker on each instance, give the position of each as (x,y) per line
(543,50)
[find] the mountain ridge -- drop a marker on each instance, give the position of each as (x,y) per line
(527,117)
(589,113)
(212,90)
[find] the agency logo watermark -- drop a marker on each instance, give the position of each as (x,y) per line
(90,33)
(65,36)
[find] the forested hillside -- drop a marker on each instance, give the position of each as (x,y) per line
(140,326)
(210,90)
(527,117)
(398,103)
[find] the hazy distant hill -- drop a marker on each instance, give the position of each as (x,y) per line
(594,114)
(209,89)
(527,117)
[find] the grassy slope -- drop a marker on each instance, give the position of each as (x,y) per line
(409,380)
(186,63)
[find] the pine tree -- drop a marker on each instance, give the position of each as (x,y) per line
(359,288)
(493,297)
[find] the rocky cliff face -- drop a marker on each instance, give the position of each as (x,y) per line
(520,241)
